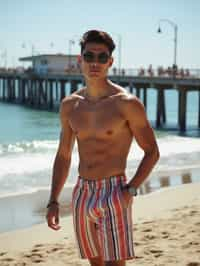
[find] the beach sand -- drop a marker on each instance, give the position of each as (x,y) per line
(166,232)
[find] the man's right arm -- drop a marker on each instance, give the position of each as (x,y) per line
(62,160)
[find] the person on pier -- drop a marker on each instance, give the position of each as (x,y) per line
(103,118)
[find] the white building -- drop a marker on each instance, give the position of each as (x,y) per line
(53,63)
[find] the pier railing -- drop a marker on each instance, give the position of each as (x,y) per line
(159,72)
(131,72)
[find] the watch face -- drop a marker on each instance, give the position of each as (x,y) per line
(132,191)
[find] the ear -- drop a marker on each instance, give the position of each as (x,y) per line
(111,61)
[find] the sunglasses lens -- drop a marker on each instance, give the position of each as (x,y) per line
(103,58)
(88,57)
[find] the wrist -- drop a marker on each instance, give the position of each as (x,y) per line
(52,202)
(132,190)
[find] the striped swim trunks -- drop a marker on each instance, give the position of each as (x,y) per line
(102,222)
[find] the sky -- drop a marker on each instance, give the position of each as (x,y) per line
(47,26)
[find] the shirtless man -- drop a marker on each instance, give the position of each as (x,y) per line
(104,119)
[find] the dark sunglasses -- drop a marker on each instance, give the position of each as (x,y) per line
(91,57)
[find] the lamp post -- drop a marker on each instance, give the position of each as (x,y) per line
(51,45)
(4,56)
(24,46)
(175,27)
(119,44)
(119,52)
(71,42)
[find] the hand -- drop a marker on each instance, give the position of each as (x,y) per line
(127,198)
(52,217)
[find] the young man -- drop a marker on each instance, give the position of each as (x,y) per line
(104,119)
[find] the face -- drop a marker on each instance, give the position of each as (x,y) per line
(95,61)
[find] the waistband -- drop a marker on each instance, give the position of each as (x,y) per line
(105,181)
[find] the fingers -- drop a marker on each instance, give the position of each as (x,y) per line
(57,220)
(127,198)
(53,225)
(53,221)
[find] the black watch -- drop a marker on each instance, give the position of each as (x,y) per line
(132,191)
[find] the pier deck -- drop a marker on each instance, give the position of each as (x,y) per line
(46,91)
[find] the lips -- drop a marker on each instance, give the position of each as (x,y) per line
(94,70)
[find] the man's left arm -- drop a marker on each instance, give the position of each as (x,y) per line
(144,136)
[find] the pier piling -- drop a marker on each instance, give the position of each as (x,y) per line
(47,91)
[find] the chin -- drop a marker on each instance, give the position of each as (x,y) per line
(94,75)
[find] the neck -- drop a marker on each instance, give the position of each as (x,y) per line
(96,89)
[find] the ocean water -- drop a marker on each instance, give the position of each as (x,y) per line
(29,140)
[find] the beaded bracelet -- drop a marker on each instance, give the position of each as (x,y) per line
(52,203)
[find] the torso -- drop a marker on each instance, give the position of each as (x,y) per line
(102,133)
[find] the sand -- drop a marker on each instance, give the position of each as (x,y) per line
(166,232)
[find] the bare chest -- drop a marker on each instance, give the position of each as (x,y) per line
(100,121)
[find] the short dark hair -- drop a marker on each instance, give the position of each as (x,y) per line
(97,36)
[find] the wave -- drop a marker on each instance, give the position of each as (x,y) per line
(168,145)
(28,146)
(28,165)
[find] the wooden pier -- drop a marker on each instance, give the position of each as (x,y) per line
(46,91)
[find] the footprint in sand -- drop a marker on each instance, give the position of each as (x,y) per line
(35,250)
(156,252)
(37,261)
(137,243)
(55,249)
(194,243)
(3,253)
(7,260)
(39,246)
(37,258)
(193,212)
(165,234)
(188,245)
(173,238)
(149,237)
(147,230)
(149,222)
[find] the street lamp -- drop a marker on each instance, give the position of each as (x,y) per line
(4,56)
(175,27)
(71,42)
(119,52)
(24,46)
(119,48)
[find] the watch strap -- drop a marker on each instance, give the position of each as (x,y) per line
(132,191)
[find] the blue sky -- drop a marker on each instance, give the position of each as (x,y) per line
(39,23)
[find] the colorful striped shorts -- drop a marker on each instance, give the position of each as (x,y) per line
(103,224)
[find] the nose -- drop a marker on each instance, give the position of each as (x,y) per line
(95,60)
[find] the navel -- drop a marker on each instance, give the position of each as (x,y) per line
(109,132)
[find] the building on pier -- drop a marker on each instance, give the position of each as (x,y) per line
(53,63)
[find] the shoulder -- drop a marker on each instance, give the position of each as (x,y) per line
(132,109)
(69,101)
(129,103)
